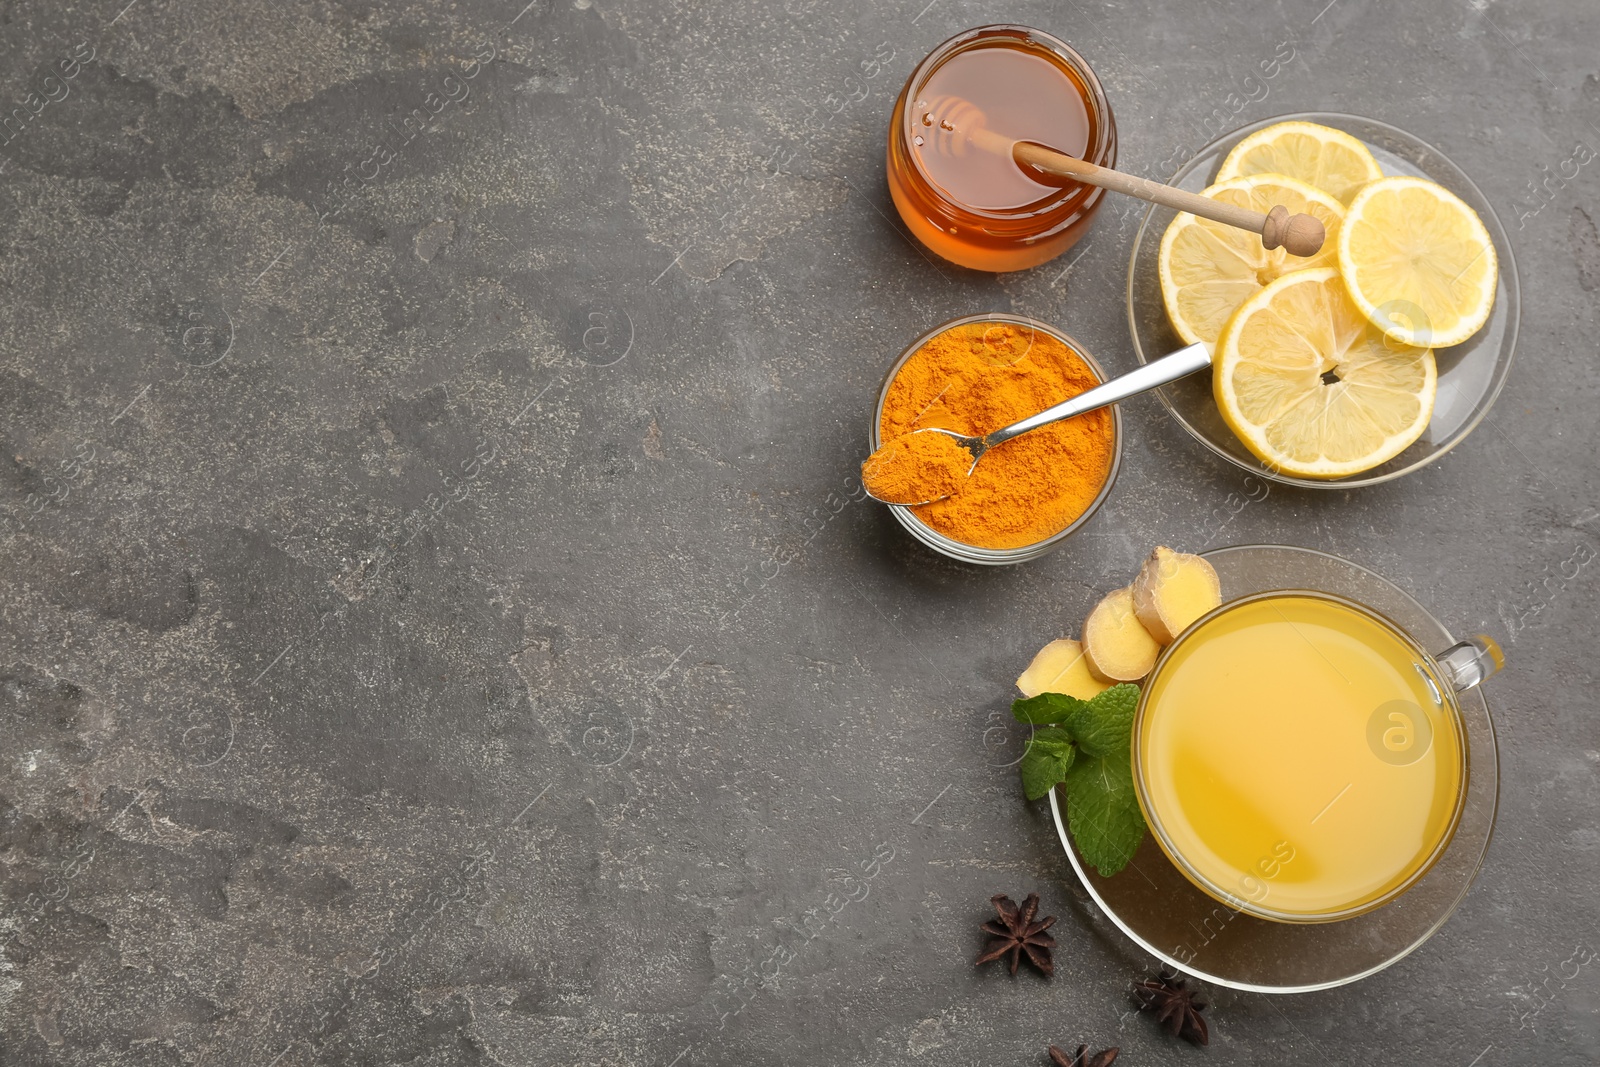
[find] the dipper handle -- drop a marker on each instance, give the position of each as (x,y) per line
(1299,235)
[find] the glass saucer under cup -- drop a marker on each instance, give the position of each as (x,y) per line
(1168,916)
(1470,374)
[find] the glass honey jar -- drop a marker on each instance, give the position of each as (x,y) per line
(982,209)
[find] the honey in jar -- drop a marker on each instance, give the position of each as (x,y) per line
(977,207)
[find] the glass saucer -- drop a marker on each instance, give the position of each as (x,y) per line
(1165,914)
(1470,374)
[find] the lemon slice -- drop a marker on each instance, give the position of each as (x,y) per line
(1322,156)
(1314,389)
(1418,262)
(1208,269)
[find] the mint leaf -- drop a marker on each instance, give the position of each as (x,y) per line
(1088,746)
(1104,725)
(1046,709)
(1103,812)
(1055,740)
(1046,760)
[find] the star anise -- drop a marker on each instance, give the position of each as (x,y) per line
(1017,933)
(1177,1008)
(1081,1058)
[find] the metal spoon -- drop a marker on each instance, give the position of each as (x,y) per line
(1181,364)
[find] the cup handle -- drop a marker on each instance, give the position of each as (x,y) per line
(1471,661)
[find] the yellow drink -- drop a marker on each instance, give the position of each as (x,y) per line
(1298,758)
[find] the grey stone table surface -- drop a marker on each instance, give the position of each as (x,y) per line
(438,625)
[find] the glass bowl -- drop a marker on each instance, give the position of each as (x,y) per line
(1471,374)
(1152,902)
(972,553)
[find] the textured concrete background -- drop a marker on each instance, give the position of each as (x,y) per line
(437,624)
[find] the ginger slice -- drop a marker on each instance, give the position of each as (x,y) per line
(1116,645)
(1060,667)
(1174,589)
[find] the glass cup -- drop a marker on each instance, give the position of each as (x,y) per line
(1229,785)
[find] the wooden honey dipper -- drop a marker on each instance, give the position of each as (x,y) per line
(1299,235)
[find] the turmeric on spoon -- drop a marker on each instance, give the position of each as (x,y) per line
(917,468)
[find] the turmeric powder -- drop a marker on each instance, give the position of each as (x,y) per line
(916,468)
(978,377)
